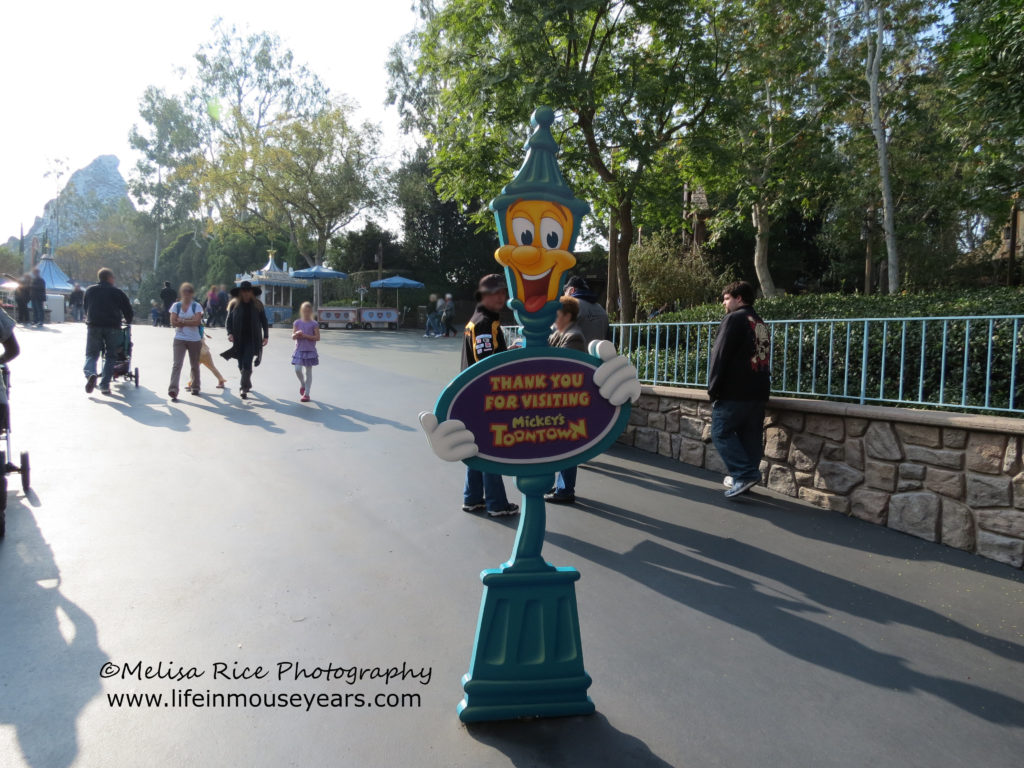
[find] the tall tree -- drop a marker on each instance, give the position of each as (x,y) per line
(313,176)
(168,143)
(442,244)
(629,79)
(875,23)
(763,146)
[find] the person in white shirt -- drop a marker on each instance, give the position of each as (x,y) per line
(186,317)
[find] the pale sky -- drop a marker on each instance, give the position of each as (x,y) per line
(72,73)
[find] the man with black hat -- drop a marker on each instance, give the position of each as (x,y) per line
(483,338)
(593,323)
(248,331)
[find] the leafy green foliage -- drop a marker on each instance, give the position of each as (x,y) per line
(812,306)
(445,250)
(662,273)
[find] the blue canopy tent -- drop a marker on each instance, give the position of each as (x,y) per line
(318,273)
(396,282)
(56,280)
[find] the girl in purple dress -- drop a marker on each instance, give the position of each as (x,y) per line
(306,332)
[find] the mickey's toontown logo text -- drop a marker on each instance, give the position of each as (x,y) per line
(537,392)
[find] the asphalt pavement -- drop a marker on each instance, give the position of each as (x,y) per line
(304,572)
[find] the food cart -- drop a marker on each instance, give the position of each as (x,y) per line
(338,317)
(378,317)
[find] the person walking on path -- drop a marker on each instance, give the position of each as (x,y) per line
(105,306)
(22,296)
(186,319)
(306,332)
(592,322)
(483,338)
(206,358)
(739,381)
(593,319)
(10,348)
(434,317)
(448,316)
(38,298)
(567,335)
(75,302)
(168,296)
(247,330)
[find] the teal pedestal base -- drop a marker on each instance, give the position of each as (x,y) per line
(527,657)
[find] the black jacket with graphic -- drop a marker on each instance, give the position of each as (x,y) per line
(484,336)
(740,358)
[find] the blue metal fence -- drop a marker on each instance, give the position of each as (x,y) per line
(968,363)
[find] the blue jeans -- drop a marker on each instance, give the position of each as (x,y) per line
(434,324)
(38,312)
(483,486)
(737,427)
(565,482)
(107,341)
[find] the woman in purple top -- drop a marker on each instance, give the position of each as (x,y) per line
(306,332)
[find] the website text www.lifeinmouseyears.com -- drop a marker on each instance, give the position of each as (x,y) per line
(181,697)
(188,698)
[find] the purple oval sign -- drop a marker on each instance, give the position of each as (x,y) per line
(540,409)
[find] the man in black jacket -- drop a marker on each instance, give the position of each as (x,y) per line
(38,297)
(168,296)
(484,338)
(738,384)
(105,306)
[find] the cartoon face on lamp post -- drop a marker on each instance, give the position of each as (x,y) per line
(530,412)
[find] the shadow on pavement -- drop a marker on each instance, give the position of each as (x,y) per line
(331,416)
(145,407)
(317,412)
(565,741)
(792,516)
(50,657)
(714,580)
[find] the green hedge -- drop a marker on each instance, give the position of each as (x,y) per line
(824,306)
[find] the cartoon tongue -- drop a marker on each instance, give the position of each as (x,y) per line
(536,289)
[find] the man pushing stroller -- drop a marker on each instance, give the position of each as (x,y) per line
(105,306)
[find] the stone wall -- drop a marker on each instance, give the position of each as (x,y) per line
(945,477)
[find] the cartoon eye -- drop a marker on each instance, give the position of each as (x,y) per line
(522,230)
(550,233)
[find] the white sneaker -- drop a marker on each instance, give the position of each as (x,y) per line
(727,481)
(741,487)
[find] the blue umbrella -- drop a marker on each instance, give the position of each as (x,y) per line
(396,282)
(319,272)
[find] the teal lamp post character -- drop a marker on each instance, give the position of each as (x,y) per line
(530,412)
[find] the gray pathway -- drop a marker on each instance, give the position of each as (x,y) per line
(754,633)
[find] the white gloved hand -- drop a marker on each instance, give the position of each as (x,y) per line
(616,378)
(451,440)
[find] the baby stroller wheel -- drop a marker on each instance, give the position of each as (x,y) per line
(136,378)
(25,479)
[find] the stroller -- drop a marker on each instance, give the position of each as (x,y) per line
(123,359)
(6,466)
